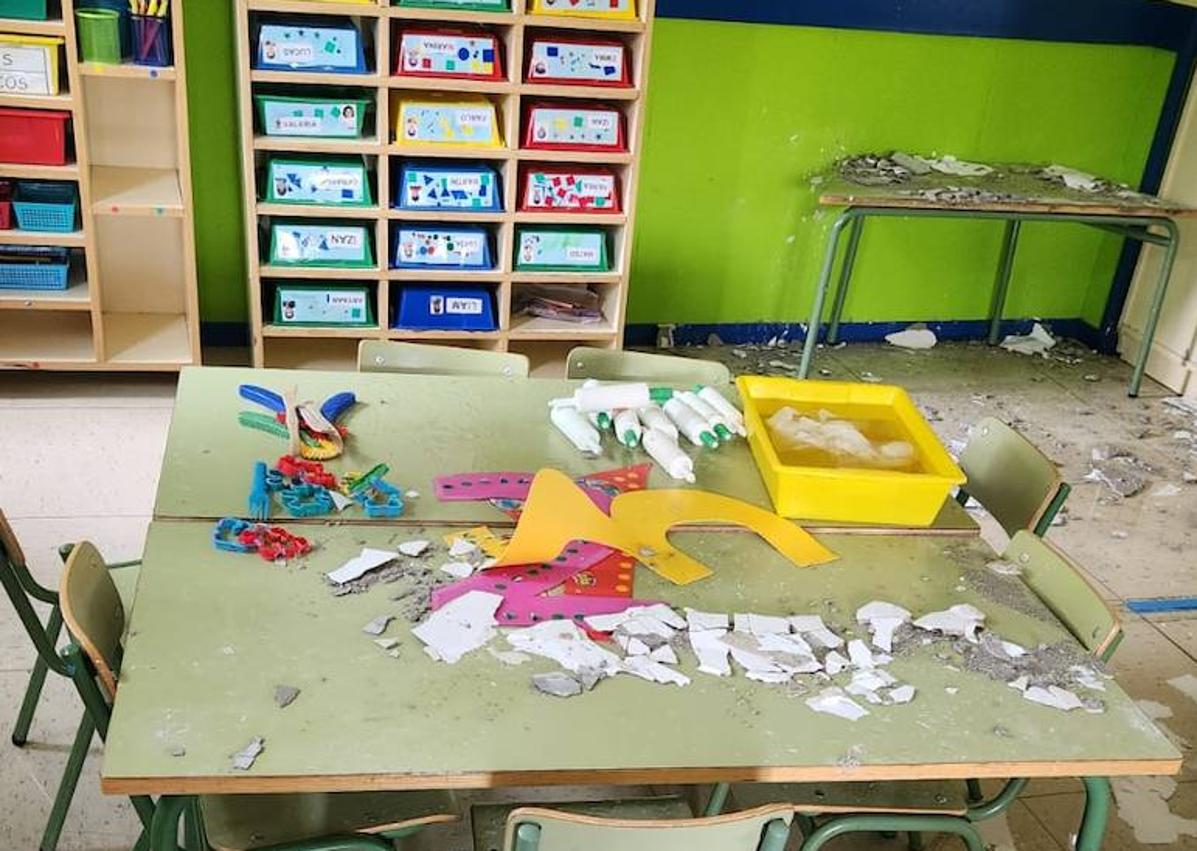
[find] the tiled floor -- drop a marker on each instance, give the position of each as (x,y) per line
(81,454)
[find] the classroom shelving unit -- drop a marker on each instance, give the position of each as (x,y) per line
(132,304)
(545,341)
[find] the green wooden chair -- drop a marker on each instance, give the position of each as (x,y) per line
(662,824)
(941,806)
(620,365)
(95,619)
(423,359)
(1013,481)
(24,591)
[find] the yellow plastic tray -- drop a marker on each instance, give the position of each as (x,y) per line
(611,9)
(846,494)
(48,46)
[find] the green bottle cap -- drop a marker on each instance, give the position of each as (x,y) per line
(709,440)
(603,419)
(660,394)
(723,431)
(630,439)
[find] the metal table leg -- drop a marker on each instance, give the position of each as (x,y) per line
(1157,303)
(1001,284)
(841,292)
(816,313)
(1096,814)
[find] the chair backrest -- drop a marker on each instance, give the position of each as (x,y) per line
(620,365)
(1063,589)
(422,359)
(10,549)
(92,610)
(536,829)
(1013,480)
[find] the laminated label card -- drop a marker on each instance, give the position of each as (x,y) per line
(586,8)
(312,304)
(29,65)
(578,189)
(582,128)
(320,245)
(334,182)
(466,308)
(577,62)
(422,247)
(559,250)
(291,116)
(447,121)
(302,48)
(436,186)
(447,53)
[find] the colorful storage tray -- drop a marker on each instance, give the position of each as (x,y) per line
(335,48)
(454,54)
(561,250)
(320,244)
(621,9)
(45,206)
(461,5)
(577,62)
(435,119)
(33,136)
(577,189)
(29,64)
(574,127)
(442,248)
(438,186)
(457,308)
(335,181)
(322,305)
(335,118)
(34,267)
(849,494)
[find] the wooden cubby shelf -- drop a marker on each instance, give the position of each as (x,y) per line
(381,23)
(131,303)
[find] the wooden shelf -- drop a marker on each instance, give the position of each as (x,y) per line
(570,218)
(74,297)
(438,84)
(413,334)
(454,276)
(268,271)
(316,78)
(148,340)
(448,151)
(567,22)
(587,92)
(39,172)
(33,340)
(122,191)
(356,332)
(62,100)
(24,27)
(316,211)
(74,239)
(445,216)
(609,157)
(311,7)
(127,71)
(566,277)
(319,146)
(411,13)
(540,328)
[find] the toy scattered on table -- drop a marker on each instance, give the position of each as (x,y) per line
(579,189)
(332,118)
(259,493)
(447,120)
(333,48)
(377,497)
(431,307)
(331,181)
(318,305)
(271,543)
(29,64)
(556,249)
(453,54)
(508,490)
(436,186)
(442,247)
(618,9)
(563,60)
(310,431)
(561,127)
(331,246)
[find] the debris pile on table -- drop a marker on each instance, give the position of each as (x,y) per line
(827,440)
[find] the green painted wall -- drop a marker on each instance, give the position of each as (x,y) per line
(739,118)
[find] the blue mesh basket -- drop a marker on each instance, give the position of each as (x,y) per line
(52,273)
(44,206)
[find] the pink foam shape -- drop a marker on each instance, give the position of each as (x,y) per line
(469,487)
(525,579)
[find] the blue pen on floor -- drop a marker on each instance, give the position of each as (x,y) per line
(259,497)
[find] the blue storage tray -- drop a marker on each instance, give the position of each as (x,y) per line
(45,206)
(455,308)
(441,247)
(448,186)
(334,47)
(52,275)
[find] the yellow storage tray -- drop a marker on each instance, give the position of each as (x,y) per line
(29,64)
(849,494)
(611,9)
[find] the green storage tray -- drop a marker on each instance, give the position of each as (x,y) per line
(306,309)
(319,181)
(324,245)
(312,117)
(558,249)
(25,10)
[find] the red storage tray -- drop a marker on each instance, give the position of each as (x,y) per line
(5,204)
(569,189)
(33,136)
(576,131)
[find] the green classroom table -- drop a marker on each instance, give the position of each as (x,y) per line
(213,633)
(422,427)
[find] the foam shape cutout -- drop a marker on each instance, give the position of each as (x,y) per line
(513,487)
(449,53)
(570,189)
(558,511)
(568,61)
(614,576)
(433,119)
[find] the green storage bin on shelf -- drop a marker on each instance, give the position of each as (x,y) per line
(321,305)
(556,249)
(99,32)
(314,117)
(25,10)
(328,245)
(328,181)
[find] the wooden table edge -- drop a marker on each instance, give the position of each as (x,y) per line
(263,783)
(1096,210)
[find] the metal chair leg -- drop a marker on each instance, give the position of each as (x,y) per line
(841,292)
(1001,284)
(879,822)
(37,680)
(718,799)
(816,312)
(66,786)
(975,794)
(1096,814)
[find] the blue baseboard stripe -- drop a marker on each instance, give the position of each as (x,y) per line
(1156,605)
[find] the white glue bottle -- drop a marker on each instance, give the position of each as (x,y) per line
(715,399)
(690,424)
(615,397)
(665,452)
(653,417)
(718,423)
(601,420)
(627,428)
(575,427)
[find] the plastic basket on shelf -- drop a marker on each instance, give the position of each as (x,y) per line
(5,204)
(441,247)
(334,181)
(25,10)
(320,244)
(442,119)
(34,268)
(448,186)
(323,305)
(334,48)
(574,127)
(335,118)
(33,136)
(99,33)
(423,307)
(151,40)
(29,65)
(572,61)
(556,249)
(569,189)
(617,9)
(449,53)
(45,206)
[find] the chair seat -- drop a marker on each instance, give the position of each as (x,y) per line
(124,577)
(243,822)
(489,821)
(915,797)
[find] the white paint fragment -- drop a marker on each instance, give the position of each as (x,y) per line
(834,662)
(369,559)
(1087,677)
(379,625)
(1073,178)
(901,694)
(833,701)
(1054,696)
(387,643)
(243,760)
(1143,804)
(948,164)
(655,672)
(461,547)
(761,624)
(566,644)
(883,618)
(711,652)
(1037,342)
(860,655)
(658,612)
(913,338)
(340,500)
(460,569)
(460,626)
(414,548)
(663,654)
(813,629)
(962,619)
(696,620)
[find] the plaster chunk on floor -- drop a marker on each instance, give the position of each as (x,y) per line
(1142,803)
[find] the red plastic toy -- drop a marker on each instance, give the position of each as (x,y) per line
(311,472)
(273,542)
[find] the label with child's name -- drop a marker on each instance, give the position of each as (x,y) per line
(461,305)
(25,71)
